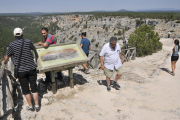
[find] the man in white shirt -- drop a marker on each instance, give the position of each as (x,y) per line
(111,52)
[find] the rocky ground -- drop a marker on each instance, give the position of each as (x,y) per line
(100,30)
(148,92)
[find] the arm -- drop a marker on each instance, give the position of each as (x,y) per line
(8,55)
(45,45)
(101,54)
(121,57)
(175,50)
(5,60)
(102,62)
(81,45)
(89,47)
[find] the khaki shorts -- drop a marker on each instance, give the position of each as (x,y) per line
(109,73)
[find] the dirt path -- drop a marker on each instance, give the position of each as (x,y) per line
(148,92)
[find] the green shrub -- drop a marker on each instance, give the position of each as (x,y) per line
(96,45)
(119,32)
(85,26)
(145,40)
(139,22)
(120,38)
(93,40)
(106,29)
(71,37)
(104,26)
(75,39)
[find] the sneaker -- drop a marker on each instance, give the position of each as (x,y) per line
(29,108)
(173,74)
(108,88)
(86,71)
(116,85)
(40,80)
(37,109)
(49,86)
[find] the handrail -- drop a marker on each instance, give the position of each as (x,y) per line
(129,54)
(6,102)
(2,71)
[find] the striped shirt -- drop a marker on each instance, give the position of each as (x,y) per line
(50,39)
(26,61)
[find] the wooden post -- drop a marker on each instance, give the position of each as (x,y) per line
(54,86)
(129,54)
(96,60)
(71,82)
(4,94)
(135,54)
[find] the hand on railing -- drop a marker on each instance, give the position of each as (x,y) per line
(2,65)
(2,62)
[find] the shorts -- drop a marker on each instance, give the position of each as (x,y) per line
(174,58)
(26,78)
(109,73)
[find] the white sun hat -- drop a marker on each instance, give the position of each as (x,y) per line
(18,32)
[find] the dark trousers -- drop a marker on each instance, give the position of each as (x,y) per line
(48,77)
(26,78)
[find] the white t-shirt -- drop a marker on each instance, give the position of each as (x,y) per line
(111,56)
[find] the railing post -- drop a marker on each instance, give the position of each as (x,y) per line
(96,60)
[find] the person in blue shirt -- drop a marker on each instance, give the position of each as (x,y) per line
(86,46)
(175,56)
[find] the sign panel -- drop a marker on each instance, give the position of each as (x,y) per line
(60,56)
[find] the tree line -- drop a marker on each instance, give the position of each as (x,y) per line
(142,15)
(31,30)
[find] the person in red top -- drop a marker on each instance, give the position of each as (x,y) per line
(48,40)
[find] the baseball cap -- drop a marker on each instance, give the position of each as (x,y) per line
(18,32)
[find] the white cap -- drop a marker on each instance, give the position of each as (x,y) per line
(18,32)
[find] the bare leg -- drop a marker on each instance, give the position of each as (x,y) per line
(28,98)
(117,77)
(35,96)
(108,81)
(174,65)
(85,66)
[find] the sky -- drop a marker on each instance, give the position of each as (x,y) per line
(23,6)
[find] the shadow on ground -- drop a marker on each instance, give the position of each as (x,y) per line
(104,82)
(42,89)
(166,70)
(18,101)
(61,82)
